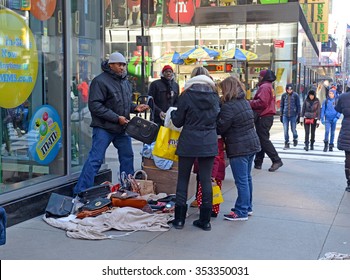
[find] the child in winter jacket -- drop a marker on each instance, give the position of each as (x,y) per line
(329,118)
(217,174)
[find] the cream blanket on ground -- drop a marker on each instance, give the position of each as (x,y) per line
(125,218)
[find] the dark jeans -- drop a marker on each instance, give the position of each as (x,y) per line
(185,166)
(263,126)
(101,139)
(308,128)
(347,159)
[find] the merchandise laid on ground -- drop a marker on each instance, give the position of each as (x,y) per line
(143,201)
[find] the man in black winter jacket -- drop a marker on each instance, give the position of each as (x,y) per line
(110,105)
(165,93)
(290,114)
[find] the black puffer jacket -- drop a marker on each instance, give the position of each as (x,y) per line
(343,106)
(165,94)
(236,126)
(110,96)
(197,110)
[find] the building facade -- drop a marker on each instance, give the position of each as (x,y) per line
(51,50)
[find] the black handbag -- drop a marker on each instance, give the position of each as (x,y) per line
(143,130)
(59,206)
(96,204)
(94,192)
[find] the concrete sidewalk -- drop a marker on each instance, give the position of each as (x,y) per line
(301,212)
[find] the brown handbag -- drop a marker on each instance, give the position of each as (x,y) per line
(92,213)
(128,202)
(145,186)
(94,208)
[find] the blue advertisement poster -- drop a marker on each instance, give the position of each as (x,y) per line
(44,136)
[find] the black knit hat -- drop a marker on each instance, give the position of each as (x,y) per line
(289,86)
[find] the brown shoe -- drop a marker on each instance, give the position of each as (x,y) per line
(275,166)
(194,204)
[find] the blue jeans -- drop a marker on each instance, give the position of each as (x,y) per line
(293,127)
(330,127)
(241,169)
(101,139)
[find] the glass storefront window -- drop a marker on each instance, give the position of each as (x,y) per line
(32,135)
(85,64)
(44,124)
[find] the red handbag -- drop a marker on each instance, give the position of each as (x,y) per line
(309,121)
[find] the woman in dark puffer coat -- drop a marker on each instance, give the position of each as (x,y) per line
(343,107)
(197,111)
(236,126)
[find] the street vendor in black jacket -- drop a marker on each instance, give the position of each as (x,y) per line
(165,92)
(110,104)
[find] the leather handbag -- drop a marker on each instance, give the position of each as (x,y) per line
(94,192)
(94,208)
(92,213)
(145,186)
(141,129)
(96,204)
(59,206)
(129,202)
(309,121)
(127,198)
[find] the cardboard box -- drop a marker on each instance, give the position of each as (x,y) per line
(149,162)
(166,180)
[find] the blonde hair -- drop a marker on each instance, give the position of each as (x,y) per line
(200,70)
(230,88)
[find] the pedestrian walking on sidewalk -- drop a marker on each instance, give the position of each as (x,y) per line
(343,107)
(290,114)
(264,109)
(329,118)
(236,126)
(310,118)
(110,104)
(197,110)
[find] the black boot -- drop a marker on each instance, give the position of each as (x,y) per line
(325,149)
(347,176)
(312,145)
(180,216)
(286,145)
(306,148)
(204,219)
(331,146)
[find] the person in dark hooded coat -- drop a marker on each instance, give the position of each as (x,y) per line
(343,107)
(197,110)
(264,108)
